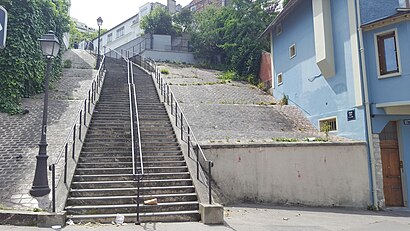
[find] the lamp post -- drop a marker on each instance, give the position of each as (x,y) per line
(99,22)
(50,47)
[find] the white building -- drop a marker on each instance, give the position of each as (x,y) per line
(130,29)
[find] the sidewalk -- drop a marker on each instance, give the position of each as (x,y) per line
(20,134)
(258,217)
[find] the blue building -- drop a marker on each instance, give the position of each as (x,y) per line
(346,64)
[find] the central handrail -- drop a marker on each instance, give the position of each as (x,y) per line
(180,121)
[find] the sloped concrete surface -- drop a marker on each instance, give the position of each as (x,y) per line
(20,134)
(234,111)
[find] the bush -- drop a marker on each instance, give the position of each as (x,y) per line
(67,63)
(21,62)
(164,71)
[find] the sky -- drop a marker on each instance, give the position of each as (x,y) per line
(113,12)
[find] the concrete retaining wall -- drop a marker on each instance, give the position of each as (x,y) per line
(317,174)
(157,55)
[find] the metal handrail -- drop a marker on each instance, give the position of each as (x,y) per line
(168,95)
(95,85)
(138,123)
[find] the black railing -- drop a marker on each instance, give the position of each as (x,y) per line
(203,165)
(76,135)
(137,171)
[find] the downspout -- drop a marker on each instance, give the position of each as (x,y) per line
(368,123)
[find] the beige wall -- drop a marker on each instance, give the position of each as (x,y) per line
(315,174)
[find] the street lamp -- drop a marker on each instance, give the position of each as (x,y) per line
(99,22)
(50,47)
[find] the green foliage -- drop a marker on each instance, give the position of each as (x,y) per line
(67,63)
(159,21)
(77,36)
(183,20)
(21,62)
(285,139)
(228,75)
(230,35)
(164,71)
(284,100)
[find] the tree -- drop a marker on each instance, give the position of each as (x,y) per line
(158,21)
(21,61)
(183,20)
(230,35)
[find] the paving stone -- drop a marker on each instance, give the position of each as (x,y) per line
(233,112)
(20,134)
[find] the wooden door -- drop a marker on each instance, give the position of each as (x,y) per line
(391,165)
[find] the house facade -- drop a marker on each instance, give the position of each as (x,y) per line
(345,63)
(130,29)
(199,5)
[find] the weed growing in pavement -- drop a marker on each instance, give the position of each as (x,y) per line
(285,139)
(164,71)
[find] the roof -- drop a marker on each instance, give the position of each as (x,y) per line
(402,13)
(281,16)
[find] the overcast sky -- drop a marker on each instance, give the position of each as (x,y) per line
(112,12)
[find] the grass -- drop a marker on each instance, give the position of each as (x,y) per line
(164,71)
(266,103)
(67,63)
(285,139)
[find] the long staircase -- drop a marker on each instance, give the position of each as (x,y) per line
(103,184)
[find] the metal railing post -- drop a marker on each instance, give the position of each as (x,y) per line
(176,114)
(74,131)
(210,165)
(138,200)
(89,101)
(189,141)
(65,162)
(172,103)
(167,94)
(182,127)
(53,185)
(80,125)
(197,161)
(85,112)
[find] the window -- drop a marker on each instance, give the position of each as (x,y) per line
(387,54)
(328,124)
(292,51)
(280,79)
(404,3)
(120,32)
(193,8)
(109,37)
(278,29)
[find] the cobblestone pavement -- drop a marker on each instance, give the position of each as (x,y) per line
(233,112)
(20,134)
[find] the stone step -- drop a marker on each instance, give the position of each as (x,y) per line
(121,177)
(129,164)
(130,208)
(119,170)
(112,159)
(109,200)
(131,191)
(130,183)
(175,216)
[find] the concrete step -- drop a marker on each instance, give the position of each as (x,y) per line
(110,200)
(130,183)
(130,208)
(131,191)
(125,177)
(175,216)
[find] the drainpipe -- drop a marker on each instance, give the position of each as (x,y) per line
(369,132)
